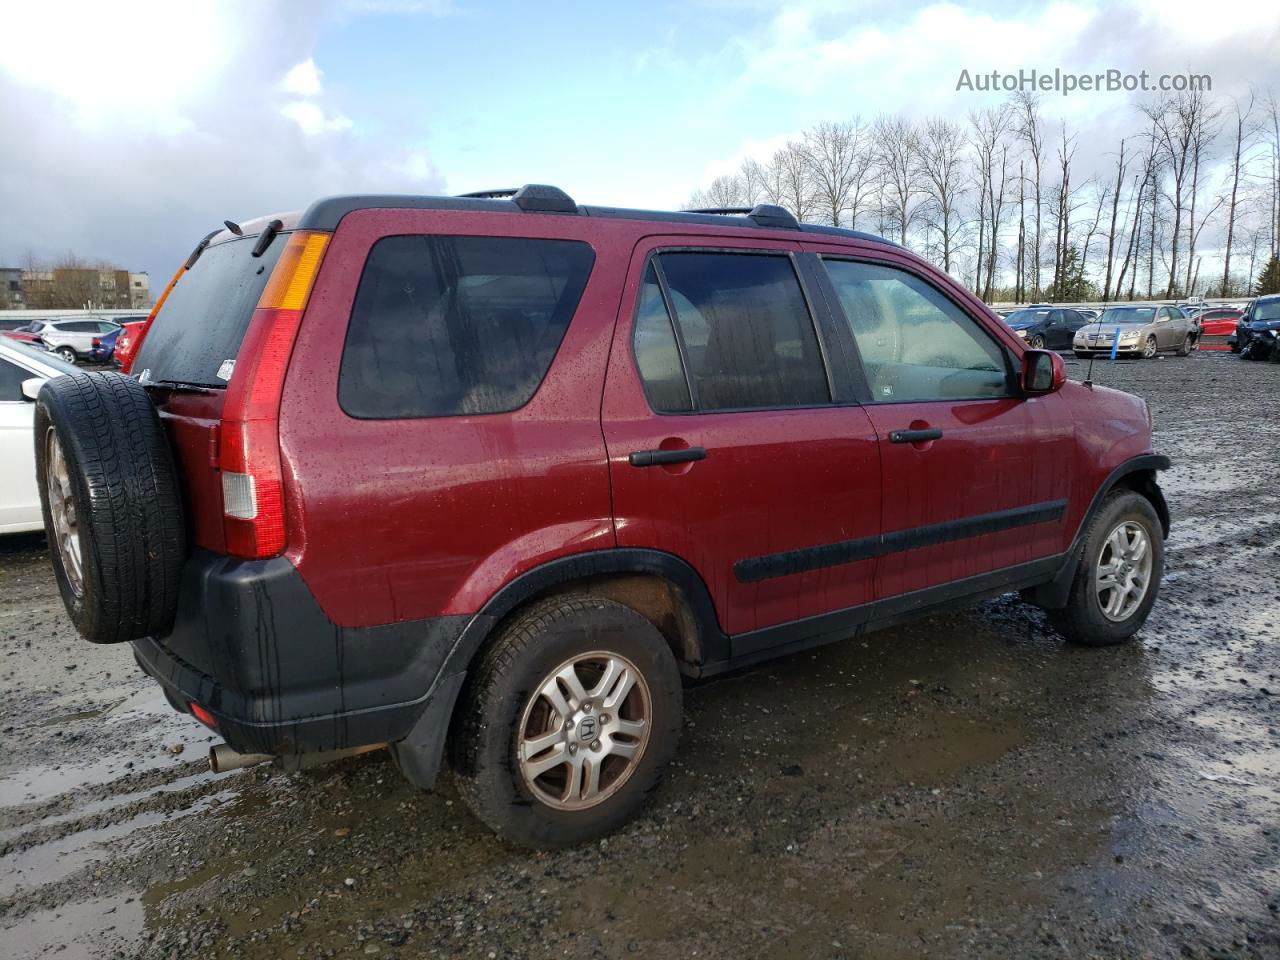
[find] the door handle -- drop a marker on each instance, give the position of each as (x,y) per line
(655,458)
(915,436)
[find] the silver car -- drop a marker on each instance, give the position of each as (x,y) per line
(1143,332)
(73,339)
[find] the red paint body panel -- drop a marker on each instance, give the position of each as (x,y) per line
(773,481)
(128,342)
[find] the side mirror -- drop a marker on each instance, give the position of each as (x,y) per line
(31,388)
(1042,372)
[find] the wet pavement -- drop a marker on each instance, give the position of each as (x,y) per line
(966,785)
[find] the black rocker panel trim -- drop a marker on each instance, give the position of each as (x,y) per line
(791,562)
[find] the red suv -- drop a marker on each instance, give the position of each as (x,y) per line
(484,476)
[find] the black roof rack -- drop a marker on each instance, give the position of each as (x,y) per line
(763,214)
(327,213)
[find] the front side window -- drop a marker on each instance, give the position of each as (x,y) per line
(748,338)
(915,343)
(11,380)
(448,326)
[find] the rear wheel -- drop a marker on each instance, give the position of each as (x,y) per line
(66,353)
(1188,344)
(1149,348)
(568,723)
(1118,575)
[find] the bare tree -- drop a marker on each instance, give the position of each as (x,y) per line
(1244,132)
(1111,233)
(941,167)
(897,145)
(724,191)
(1030,130)
(989,138)
(789,180)
(751,181)
(838,160)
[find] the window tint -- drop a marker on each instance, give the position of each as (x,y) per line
(657,355)
(915,343)
(206,314)
(11,377)
(79,326)
(747,333)
(443,326)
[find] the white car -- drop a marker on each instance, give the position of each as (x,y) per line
(22,371)
(73,339)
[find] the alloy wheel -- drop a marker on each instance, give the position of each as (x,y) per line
(62,511)
(1149,348)
(584,730)
(1123,575)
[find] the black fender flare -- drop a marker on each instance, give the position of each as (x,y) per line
(420,753)
(1053,595)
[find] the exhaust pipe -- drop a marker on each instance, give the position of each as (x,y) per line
(222,758)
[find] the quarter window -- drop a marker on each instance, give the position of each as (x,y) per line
(915,344)
(446,326)
(748,339)
(11,380)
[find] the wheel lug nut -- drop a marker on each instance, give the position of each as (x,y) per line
(595,744)
(586,707)
(573,748)
(604,718)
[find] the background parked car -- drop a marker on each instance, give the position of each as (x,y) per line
(27,332)
(19,498)
(1216,327)
(104,347)
(72,340)
(1262,314)
(1047,327)
(128,342)
(1144,332)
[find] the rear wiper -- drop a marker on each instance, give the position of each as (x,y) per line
(268,234)
(195,254)
(183,386)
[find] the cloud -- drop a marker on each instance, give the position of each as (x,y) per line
(303,80)
(136,169)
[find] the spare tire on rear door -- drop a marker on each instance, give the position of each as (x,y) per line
(111,503)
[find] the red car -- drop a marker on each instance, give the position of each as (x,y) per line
(482,477)
(30,333)
(127,343)
(1216,324)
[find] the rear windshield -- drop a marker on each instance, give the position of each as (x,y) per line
(206,314)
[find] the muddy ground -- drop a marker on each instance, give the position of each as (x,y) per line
(967,785)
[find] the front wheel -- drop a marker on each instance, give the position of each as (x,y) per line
(1149,348)
(1118,575)
(1037,342)
(568,723)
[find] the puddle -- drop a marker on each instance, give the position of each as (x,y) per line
(81,930)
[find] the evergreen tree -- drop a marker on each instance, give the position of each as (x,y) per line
(1269,282)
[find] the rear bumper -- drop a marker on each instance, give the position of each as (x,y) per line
(251,645)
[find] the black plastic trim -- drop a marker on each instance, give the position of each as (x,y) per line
(790,562)
(915,436)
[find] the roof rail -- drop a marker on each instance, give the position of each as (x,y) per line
(764,215)
(532,198)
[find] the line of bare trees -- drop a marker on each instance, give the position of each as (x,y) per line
(1000,201)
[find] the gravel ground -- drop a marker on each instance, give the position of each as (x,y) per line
(966,785)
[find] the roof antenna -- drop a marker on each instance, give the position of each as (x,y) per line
(1088,377)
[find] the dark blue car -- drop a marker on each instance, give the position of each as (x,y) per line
(104,347)
(1262,315)
(1047,326)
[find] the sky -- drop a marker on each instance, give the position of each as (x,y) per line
(128,131)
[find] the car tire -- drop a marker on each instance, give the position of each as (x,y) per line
(66,354)
(1188,344)
(504,711)
(1149,348)
(1037,342)
(111,504)
(1084,620)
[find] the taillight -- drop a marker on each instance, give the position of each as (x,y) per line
(97,341)
(126,361)
(249,441)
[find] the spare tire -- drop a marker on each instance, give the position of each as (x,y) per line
(111,503)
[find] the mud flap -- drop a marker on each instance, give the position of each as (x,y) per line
(418,755)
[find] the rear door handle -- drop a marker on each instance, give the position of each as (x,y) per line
(654,458)
(915,436)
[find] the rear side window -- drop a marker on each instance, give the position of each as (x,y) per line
(448,326)
(747,337)
(207,312)
(11,380)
